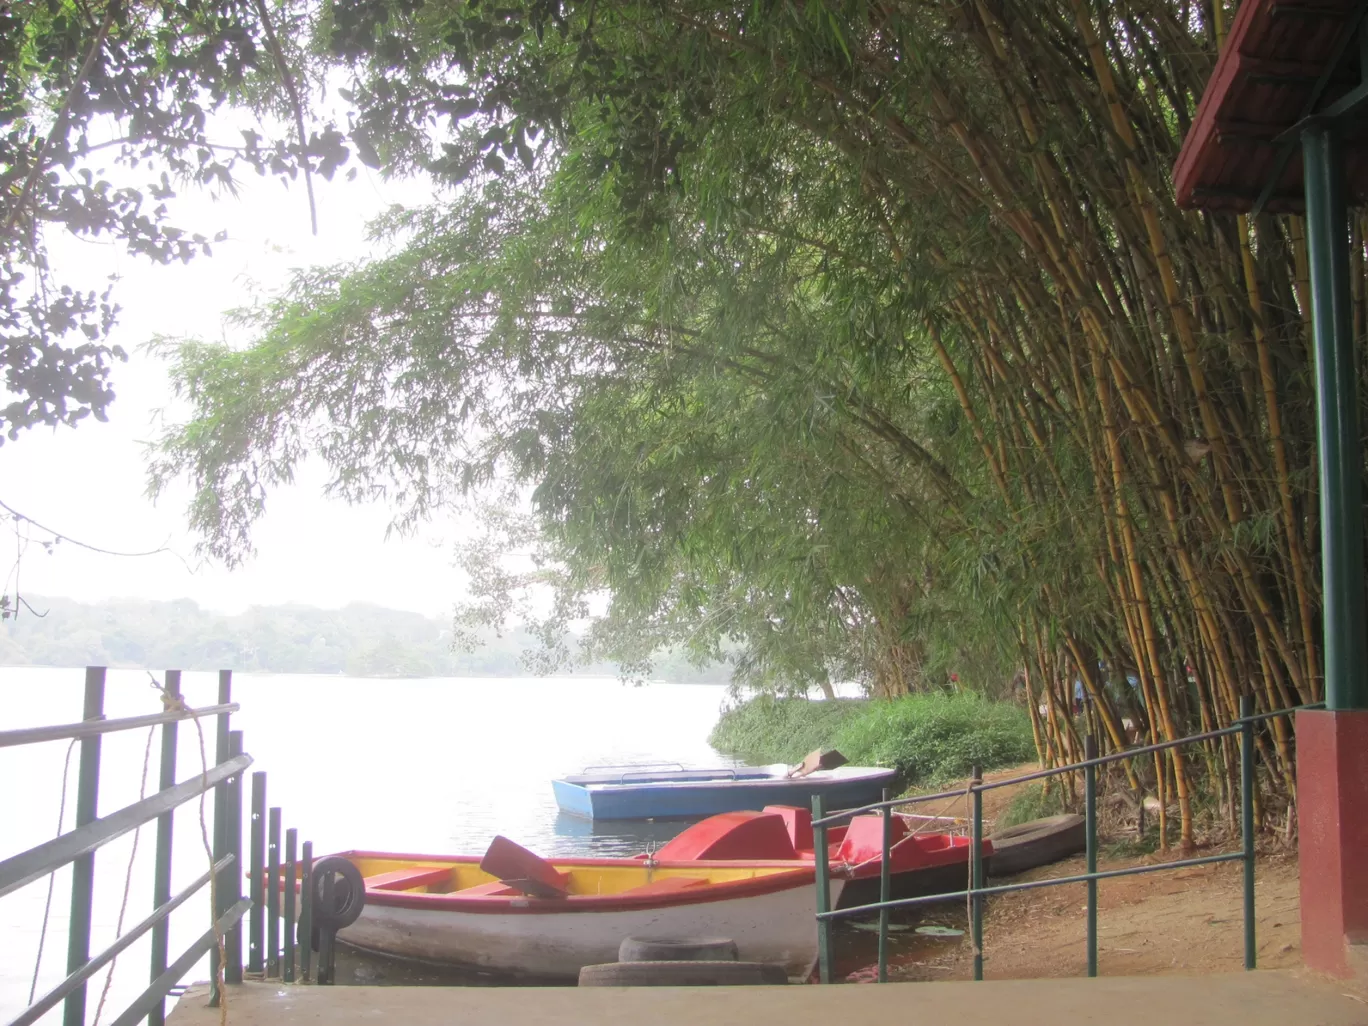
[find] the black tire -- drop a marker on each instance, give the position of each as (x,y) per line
(349,894)
(1037,843)
(685,949)
(682,974)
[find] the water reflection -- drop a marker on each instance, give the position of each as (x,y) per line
(617,837)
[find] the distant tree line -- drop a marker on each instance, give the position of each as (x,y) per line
(359,640)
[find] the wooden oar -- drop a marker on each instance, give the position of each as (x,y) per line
(818,760)
(519,868)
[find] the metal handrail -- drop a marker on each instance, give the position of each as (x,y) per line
(125,940)
(52,855)
(975,892)
(712,774)
(77,848)
(92,728)
(1121,756)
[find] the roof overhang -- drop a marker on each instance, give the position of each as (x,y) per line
(1284,62)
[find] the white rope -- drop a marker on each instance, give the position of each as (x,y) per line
(128,880)
(176,703)
(47,905)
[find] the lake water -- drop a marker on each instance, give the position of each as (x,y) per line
(403,765)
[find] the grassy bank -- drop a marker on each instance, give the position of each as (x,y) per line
(929,738)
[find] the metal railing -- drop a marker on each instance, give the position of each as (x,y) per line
(976,890)
(77,848)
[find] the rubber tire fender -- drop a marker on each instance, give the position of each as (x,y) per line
(1037,843)
(683,949)
(682,974)
(349,894)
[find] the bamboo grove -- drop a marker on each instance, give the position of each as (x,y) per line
(906,284)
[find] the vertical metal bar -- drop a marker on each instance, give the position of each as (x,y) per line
(305,911)
(256,862)
(83,869)
(327,952)
(1247,825)
(1339,455)
(220,886)
(1090,825)
(232,943)
(885,887)
(976,875)
(291,874)
(273,894)
(161,872)
(819,844)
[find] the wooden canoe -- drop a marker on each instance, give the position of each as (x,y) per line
(448,910)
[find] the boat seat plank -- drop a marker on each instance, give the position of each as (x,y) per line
(492,887)
(408,879)
(666,885)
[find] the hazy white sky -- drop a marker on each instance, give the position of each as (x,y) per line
(89,482)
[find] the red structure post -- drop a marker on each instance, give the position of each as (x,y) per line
(1261,172)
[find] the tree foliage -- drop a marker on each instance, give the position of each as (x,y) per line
(865,334)
(106,111)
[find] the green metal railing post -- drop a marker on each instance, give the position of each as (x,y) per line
(225,695)
(885,886)
(1090,820)
(1247,824)
(305,931)
(232,880)
(273,894)
(976,873)
(291,873)
(83,868)
(161,872)
(819,844)
(1339,455)
(256,862)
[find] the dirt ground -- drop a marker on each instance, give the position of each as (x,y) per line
(1180,921)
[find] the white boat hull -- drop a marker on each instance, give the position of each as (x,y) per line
(779,927)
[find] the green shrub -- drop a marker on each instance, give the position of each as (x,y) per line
(937,738)
(928,738)
(768,729)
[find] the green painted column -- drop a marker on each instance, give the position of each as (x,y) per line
(1340,457)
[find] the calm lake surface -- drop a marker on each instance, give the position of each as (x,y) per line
(423,766)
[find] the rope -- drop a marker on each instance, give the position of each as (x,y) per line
(128,879)
(47,905)
(176,703)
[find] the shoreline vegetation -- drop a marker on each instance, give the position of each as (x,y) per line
(358,640)
(930,738)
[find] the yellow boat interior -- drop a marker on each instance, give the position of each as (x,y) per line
(581,877)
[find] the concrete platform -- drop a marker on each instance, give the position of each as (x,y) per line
(1246,999)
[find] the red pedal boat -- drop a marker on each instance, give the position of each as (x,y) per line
(920,863)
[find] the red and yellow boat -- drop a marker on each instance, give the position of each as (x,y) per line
(513,913)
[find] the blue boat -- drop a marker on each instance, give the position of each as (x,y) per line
(649,792)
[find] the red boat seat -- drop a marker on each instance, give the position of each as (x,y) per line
(408,879)
(798,822)
(732,835)
(665,885)
(864,839)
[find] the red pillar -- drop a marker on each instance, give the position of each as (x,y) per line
(1332,813)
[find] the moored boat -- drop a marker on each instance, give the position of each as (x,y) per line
(548,918)
(920,863)
(629,793)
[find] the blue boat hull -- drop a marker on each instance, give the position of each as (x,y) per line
(707,799)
